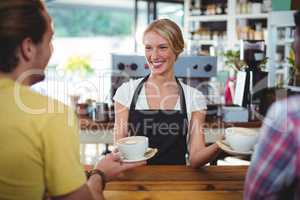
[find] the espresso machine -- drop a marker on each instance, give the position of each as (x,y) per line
(251,82)
(195,71)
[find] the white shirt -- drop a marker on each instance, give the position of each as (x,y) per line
(195,100)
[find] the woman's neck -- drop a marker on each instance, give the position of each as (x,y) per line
(162,83)
(162,79)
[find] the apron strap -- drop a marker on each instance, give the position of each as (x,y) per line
(140,86)
(182,98)
(137,93)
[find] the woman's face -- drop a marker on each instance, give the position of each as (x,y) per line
(159,53)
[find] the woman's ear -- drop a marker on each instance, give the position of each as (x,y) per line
(27,49)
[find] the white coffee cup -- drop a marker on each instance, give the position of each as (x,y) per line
(241,139)
(133,148)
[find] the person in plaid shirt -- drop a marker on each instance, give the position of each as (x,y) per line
(275,167)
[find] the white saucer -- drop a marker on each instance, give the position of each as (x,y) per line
(225,147)
(148,154)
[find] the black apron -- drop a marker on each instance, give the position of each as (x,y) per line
(166,129)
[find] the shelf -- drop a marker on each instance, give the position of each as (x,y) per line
(293,88)
(252,16)
(195,12)
(204,42)
(285,42)
(280,63)
(280,24)
(208,18)
(280,71)
(229,21)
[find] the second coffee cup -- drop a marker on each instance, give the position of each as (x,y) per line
(241,139)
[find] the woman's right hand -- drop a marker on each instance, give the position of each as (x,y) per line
(112,166)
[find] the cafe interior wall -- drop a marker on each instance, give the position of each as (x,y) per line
(278,5)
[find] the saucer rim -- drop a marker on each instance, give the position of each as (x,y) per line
(225,147)
(144,158)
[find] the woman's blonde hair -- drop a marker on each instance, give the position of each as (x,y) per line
(170,31)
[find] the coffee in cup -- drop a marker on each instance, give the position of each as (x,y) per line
(133,148)
(241,139)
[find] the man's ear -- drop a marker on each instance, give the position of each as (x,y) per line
(27,49)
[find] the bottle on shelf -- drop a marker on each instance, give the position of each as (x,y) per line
(197,7)
(219,9)
(267,6)
(256,8)
(258,34)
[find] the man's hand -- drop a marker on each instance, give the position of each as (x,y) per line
(112,165)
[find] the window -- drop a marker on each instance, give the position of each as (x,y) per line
(95,29)
(91,29)
(91,22)
(148,10)
(87,29)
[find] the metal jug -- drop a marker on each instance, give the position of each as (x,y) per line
(101,112)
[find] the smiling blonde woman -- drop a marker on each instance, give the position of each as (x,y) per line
(170,113)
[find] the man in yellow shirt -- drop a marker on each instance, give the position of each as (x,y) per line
(39,143)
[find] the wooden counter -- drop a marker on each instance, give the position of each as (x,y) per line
(179,182)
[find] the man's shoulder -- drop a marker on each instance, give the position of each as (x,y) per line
(289,105)
(36,101)
(284,112)
(293,100)
(293,107)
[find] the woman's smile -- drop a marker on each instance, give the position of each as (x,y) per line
(157,64)
(159,53)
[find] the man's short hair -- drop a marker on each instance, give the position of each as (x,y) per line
(19,20)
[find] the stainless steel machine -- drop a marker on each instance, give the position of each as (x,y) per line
(192,70)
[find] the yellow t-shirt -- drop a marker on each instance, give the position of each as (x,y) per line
(39,145)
